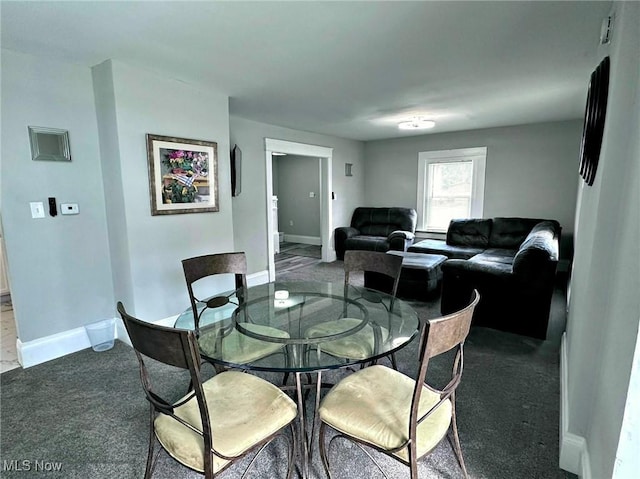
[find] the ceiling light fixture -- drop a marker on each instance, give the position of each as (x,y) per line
(417,123)
(277,153)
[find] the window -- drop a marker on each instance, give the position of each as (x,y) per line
(450,185)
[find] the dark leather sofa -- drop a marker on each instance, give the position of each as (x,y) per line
(512,263)
(377,229)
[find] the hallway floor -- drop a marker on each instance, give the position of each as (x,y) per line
(8,336)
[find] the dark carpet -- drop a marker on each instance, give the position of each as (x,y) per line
(86,412)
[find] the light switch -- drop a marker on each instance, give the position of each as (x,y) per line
(312,194)
(37,209)
(69,208)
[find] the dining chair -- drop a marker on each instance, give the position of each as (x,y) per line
(395,414)
(201,267)
(365,342)
(237,348)
(219,420)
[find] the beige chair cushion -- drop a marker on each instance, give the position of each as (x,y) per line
(359,345)
(239,348)
(243,410)
(373,405)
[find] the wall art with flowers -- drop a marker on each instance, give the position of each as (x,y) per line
(183,175)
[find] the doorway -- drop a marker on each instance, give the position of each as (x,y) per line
(325,156)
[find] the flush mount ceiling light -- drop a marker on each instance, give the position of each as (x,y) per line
(277,153)
(417,123)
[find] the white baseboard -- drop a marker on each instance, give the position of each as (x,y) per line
(261,277)
(121,331)
(41,350)
(58,345)
(574,453)
(51,347)
(315,240)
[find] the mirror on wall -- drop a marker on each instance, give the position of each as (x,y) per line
(49,144)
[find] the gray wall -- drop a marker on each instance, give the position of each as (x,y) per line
(59,267)
(531,170)
(153,246)
(604,306)
(250,208)
(297,176)
(70,270)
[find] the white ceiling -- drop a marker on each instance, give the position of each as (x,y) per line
(349,69)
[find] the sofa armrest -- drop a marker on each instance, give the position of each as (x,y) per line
(400,240)
(405,235)
(341,234)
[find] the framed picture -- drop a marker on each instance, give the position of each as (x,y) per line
(183,175)
(594,118)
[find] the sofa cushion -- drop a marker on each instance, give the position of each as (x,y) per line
(510,232)
(482,271)
(432,246)
(496,255)
(367,243)
(469,232)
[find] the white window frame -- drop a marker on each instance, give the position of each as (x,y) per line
(478,156)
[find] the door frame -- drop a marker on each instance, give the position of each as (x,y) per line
(325,155)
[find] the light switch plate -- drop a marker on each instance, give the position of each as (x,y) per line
(37,209)
(69,208)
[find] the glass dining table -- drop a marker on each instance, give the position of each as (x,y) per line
(300,328)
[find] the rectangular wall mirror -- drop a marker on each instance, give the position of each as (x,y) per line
(49,144)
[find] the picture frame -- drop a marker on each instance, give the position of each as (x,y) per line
(183,175)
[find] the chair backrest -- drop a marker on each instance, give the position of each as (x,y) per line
(175,347)
(209,265)
(166,345)
(372,261)
(439,336)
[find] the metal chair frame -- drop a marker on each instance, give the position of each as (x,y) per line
(209,265)
(375,262)
(178,348)
(438,336)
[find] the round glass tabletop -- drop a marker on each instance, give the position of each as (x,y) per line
(301,327)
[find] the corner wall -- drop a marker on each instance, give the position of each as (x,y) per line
(154,246)
(59,267)
(604,305)
(68,271)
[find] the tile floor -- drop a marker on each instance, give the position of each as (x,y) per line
(8,353)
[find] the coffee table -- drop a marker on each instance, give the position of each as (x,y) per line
(419,279)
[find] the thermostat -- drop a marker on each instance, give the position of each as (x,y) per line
(69,208)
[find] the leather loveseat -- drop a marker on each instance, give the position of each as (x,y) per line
(377,229)
(510,261)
